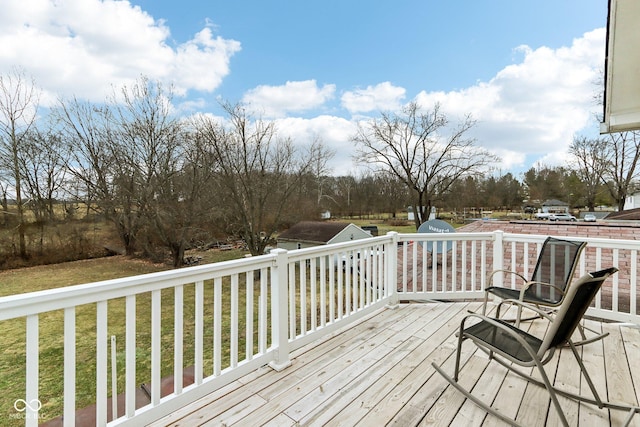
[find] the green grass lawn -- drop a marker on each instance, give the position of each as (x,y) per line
(401,226)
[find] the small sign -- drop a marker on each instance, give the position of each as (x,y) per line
(436,226)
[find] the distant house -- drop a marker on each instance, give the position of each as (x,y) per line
(552,206)
(555,206)
(306,234)
(632,201)
(411,215)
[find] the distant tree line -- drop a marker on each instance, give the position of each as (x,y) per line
(167,182)
(163,181)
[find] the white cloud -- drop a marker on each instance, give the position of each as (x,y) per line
(381,97)
(201,63)
(528,112)
(292,97)
(334,132)
(84,47)
(535,106)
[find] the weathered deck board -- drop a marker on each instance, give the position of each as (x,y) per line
(619,381)
(379,373)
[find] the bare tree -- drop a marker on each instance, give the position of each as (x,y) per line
(143,137)
(410,146)
(19,100)
(4,201)
(621,164)
(589,162)
(183,206)
(43,168)
(393,193)
(127,152)
(258,172)
(321,171)
(344,188)
(83,128)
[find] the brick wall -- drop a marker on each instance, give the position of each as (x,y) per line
(612,230)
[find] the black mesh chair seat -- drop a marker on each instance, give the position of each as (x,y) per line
(497,339)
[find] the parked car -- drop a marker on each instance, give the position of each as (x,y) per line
(589,218)
(562,217)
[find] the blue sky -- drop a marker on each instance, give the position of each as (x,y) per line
(526,70)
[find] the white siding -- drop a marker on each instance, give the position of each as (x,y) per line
(350,232)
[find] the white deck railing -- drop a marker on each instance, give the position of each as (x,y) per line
(288,299)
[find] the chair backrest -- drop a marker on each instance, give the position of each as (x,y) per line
(556,264)
(575,304)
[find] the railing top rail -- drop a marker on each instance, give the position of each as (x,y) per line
(592,241)
(297,254)
(487,235)
(521,238)
(59,298)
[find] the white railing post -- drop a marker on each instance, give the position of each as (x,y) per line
(279,313)
(101,363)
(69,418)
(130,356)
(391,277)
(32,402)
(498,257)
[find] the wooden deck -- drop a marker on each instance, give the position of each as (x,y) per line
(379,372)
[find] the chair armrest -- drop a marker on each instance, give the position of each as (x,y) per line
(523,304)
(524,279)
(532,283)
(548,285)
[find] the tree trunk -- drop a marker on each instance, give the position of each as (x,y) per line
(5,210)
(23,243)
(177,252)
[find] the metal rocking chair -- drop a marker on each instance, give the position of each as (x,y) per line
(511,346)
(551,276)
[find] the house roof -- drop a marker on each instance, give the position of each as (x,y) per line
(627,214)
(554,202)
(313,231)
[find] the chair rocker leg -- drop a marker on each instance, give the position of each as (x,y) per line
(595,400)
(519,317)
(588,340)
(545,383)
(473,398)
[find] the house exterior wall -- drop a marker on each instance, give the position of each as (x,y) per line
(294,244)
(349,233)
(555,209)
(632,201)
